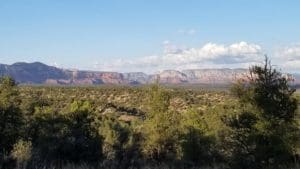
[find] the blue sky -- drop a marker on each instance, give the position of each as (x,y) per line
(150,35)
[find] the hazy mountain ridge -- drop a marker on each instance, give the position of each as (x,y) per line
(39,73)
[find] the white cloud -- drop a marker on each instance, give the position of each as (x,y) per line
(210,55)
(289,58)
(57,65)
(289,53)
(191,31)
(292,65)
(171,48)
(235,53)
(166,42)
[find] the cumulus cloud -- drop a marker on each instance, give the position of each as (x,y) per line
(289,57)
(210,55)
(170,48)
(289,53)
(292,65)
(235,53)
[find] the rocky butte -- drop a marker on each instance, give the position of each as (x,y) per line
(39,73)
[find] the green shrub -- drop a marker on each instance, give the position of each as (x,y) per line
(21,152)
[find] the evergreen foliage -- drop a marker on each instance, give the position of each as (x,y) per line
(265,132)
(256,125)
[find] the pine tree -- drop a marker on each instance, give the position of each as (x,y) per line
(265,132)
(11,119)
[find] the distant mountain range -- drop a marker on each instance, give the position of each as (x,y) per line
(39,73)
